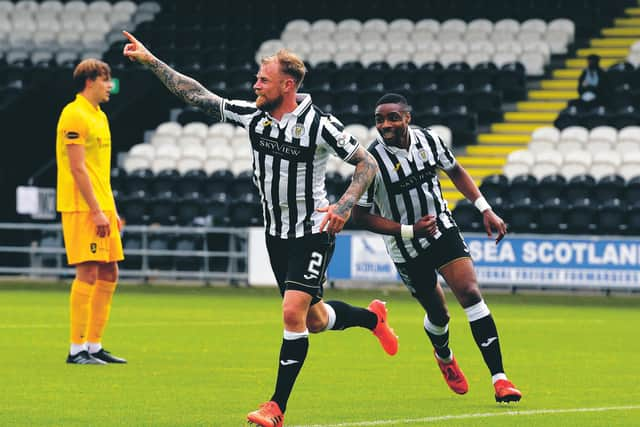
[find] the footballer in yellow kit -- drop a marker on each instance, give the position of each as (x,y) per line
(90,223)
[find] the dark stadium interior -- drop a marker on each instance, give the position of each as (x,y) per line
(216,42)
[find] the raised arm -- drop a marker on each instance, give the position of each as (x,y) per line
(184,87)
(338,213)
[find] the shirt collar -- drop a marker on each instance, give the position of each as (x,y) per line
(85,102)
(304,102)
(397,150)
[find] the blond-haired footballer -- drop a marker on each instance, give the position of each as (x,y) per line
(90,223)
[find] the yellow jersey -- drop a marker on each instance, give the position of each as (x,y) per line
(82,123)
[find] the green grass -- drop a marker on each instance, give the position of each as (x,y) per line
(207,356)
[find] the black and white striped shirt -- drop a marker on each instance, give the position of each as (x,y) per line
(407,188)
(289,161)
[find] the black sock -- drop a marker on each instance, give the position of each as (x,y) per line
(348,316)
(486,337)
(440,342)
(292,355)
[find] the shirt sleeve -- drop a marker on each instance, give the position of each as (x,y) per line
(444,157)
(238,112)
(72,127)
(343,144)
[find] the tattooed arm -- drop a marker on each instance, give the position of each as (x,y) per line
(338,213)
(184,87)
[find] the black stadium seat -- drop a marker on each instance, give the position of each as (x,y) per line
(521,215)
(467,216)
(522,187)
(550,187)
(495,185)
(580,187)
(611,217)
(581,216)
(609,187)
(552,216)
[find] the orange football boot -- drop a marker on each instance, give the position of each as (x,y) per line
(506,391)
(268,415)
(453,375)
(382,331)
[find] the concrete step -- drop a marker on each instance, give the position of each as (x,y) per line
(503,139)
(621,32)
(472,161)
(525,116)
(555,106)
(604,52)
(566,73)
(522,128)
(559,84)
(553,95)
(581,63)
(613,42)
(494,150)
(626,22)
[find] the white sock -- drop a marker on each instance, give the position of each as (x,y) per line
(77,348)
(448,359)
(331,314)
(498,376)
(94,347)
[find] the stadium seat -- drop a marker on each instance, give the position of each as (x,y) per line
(216,209)
(131,242)
(162,209)
(550,187)
(521,215)
(522,187)
(611,217)
(495,185)
(188,242)
(552,216)
(581,216)
(609,187)
(138,180)
(189,208)
(467,216)
(132,207)
(160,242)
(579,187)
(165,181)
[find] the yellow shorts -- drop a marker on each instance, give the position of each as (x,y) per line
(81,240)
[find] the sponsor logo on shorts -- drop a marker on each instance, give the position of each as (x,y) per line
(72,135)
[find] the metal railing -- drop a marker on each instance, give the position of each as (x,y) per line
(207,254)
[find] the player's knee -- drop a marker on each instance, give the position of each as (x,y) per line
(293,319)
(470,295)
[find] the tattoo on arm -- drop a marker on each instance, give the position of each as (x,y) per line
(366,169)
(186,88)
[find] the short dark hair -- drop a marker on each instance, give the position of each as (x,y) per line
(89,69)
(393,98)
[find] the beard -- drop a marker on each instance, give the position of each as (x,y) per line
(268,105)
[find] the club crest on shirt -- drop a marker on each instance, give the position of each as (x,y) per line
(342,140)
(423,155)
(396,167)
(93,248)
(266,123)
(298,130)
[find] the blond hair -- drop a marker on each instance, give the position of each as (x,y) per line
(89,69)
(290,64)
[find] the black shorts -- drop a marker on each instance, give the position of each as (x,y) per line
(420,273)
(301,264)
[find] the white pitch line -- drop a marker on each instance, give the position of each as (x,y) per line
(477,415)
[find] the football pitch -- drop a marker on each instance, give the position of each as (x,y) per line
(207,356)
